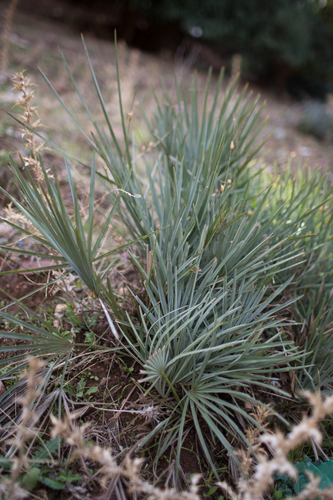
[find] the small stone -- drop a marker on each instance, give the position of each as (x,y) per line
(5,230)
(305,151)
(2,388)
(280,133)
(10,131)
(7,96)
(60,308)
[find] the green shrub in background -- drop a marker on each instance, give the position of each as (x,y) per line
(235,262)
(276,38)
(269,27)
(315,120)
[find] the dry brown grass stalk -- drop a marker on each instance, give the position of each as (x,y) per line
(9,487)
(250,486)
(6,34)
(23,84)
(258,484)
(74,436)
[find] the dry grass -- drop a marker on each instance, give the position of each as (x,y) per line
(9,486)
(258,473)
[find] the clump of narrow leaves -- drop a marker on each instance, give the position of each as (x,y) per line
(235,261)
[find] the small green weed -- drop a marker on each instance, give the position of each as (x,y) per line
(44,469)
(82,391)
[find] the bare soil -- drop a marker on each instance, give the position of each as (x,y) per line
(19,285)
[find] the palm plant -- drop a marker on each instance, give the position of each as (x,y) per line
(38,338)
(303,204)
(187,282)
(203,342)
(225,253)
(193,129)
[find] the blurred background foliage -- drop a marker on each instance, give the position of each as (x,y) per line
(286,44)
(288,36)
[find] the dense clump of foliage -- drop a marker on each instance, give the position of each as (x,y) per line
(234,263)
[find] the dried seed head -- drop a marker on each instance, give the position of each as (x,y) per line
(21,83)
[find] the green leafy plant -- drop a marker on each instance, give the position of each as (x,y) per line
(302,204)
(41,470)
(231,259)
